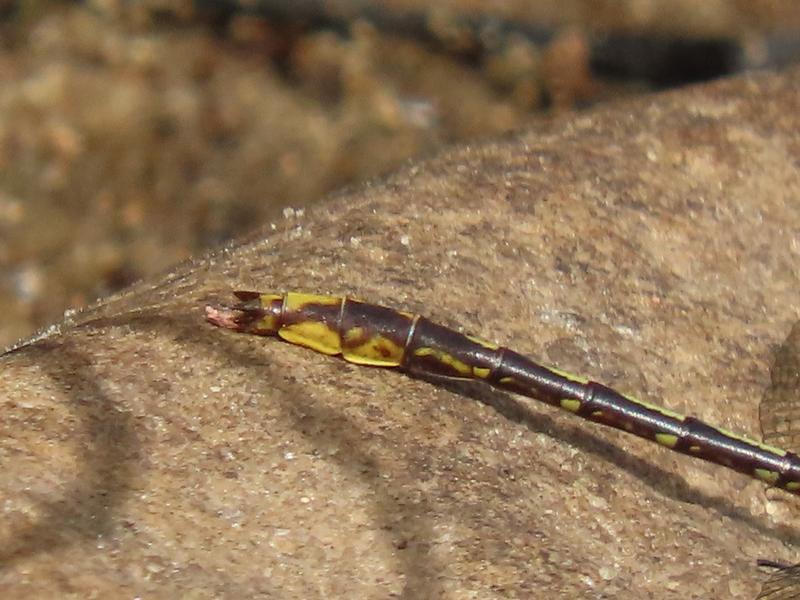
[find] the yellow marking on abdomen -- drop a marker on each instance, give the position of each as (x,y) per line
(481,372)
(451,361)
(376,351)
(771,449)
(296,301)
(354,333)
(267,299)
(312,334)
(667,439)
(659,409)
(570,376)
(270,322)
(767,476)
(793,486)
(570,404)
(482,342)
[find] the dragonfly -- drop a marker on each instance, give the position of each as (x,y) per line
(369,334)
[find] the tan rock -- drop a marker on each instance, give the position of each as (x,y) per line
(652,246)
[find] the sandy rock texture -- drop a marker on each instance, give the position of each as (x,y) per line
(127,147)
(134,135)
(652,246)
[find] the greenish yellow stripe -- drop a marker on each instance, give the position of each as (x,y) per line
(667,439)
(767,476)
(570,404)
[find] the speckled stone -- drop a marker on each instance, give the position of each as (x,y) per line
(652,246)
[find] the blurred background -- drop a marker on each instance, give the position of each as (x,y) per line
(134,135)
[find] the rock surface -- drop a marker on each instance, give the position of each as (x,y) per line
(651,246)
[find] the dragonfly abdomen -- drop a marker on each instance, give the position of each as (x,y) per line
(369,334)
